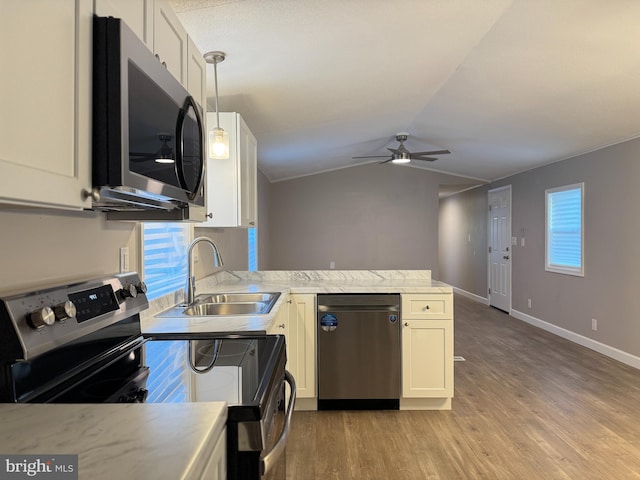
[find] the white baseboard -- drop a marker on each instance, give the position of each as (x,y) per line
(472,296)
(590,343)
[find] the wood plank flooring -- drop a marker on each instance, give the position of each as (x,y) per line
(528,405)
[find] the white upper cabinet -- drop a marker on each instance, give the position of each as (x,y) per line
(45,93)
(159,28)
(170,40)
(137,14)
(196,75)
(231,190)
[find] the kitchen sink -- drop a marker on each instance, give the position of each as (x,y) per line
(237,297)
(225,304)
(209,309)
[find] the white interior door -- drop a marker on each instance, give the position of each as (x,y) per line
(500,248)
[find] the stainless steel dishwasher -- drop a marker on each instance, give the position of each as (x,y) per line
(358,351)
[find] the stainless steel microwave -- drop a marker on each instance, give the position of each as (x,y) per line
(148,133)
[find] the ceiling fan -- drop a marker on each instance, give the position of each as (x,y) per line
(164,154)
(402,155)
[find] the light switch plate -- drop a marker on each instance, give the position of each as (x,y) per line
(124,259)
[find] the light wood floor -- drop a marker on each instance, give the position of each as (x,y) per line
(528,405)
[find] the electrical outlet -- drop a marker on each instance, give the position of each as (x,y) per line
(529,303)
(594,324)
(332,265)
(124,259)
(522,242)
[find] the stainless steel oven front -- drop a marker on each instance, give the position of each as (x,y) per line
(248,372)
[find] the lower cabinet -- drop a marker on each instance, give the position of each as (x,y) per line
(302,344)
(216,468)
(427,347)
(296,320)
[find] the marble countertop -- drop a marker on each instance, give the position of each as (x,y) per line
(285,282)
(141,441)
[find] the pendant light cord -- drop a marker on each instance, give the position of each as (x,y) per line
(215,76)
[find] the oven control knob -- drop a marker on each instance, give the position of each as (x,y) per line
(128,291)
(64,310)
(141,287)
(42,317)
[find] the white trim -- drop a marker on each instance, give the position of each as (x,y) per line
(472,296)
(590,343)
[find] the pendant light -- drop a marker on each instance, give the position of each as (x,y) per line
(218,138)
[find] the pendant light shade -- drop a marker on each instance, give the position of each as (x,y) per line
(218,144)
(218,138)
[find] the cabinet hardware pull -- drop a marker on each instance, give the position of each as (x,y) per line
(94,194)
(209,215)
(406,324)
(281,325)
(426,307)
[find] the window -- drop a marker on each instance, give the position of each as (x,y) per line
(165,257)
(252,240)
(165,271)
(565,229)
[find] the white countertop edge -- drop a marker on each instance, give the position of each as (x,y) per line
(233,282)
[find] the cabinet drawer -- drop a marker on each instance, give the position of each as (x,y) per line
(427,306)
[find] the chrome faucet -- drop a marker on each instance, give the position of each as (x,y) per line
(191,279)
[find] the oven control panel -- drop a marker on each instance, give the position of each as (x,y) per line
(41,320)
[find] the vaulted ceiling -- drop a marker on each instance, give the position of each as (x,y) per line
(505,85)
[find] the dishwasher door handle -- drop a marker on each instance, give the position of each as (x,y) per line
(269,458)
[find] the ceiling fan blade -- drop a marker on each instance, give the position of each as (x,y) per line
(432,152)
(386,161)
(394,150)
(427,159)
(373,156)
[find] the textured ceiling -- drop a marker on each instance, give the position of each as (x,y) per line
(505,85)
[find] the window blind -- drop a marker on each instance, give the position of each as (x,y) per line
(564,229)
(165,257)
(252,239)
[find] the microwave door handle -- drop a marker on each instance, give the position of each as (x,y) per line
(189,103)
(268,459)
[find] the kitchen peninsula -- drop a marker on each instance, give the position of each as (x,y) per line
(426,316)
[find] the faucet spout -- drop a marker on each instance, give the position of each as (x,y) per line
(191,279)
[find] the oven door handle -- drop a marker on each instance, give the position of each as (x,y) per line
(267,460)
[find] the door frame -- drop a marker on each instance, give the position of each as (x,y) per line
(489,192)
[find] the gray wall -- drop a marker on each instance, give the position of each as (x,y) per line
(463,241)
(264,232)
(366,217)
(608,291)
(43,247)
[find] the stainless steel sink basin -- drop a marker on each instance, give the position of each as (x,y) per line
(238,297)
(229,304)
(209,309)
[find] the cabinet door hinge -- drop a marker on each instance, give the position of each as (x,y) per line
(489,291)
(489,249)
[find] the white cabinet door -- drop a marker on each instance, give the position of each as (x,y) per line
(216,468)
(45,93)
(137,14)
(196,75)
(302,343)
(427,345)
(427,358)
(232,183)
(170,40)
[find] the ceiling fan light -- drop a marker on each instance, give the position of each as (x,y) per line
(401,160)
(218,144)
(165,155)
